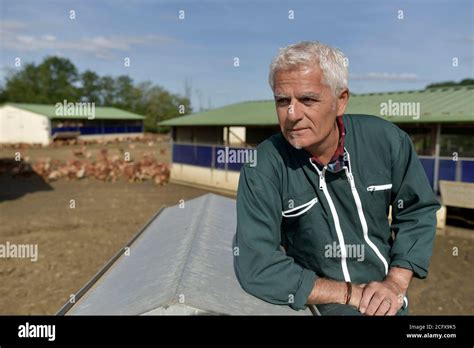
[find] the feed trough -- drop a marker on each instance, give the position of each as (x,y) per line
(180,263)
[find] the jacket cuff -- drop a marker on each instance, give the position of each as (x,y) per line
(306,286)
(418,272)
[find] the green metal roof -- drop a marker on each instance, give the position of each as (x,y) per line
(101,112)
(247,113)
(445,104)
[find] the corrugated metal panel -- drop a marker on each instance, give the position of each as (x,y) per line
(450,104)
(182,263)
(258,113)
(101,112)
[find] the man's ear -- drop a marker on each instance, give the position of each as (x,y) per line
(342,101)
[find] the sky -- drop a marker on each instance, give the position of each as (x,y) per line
(391,45)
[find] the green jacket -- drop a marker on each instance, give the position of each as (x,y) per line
(293,217)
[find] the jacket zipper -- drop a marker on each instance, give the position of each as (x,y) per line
(362,219)
(379,187)
(340,236)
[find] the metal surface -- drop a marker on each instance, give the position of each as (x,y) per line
(181,264)
(445,105)
(104,269)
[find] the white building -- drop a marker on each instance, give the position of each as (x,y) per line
(40,124)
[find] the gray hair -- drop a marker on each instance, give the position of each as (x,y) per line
(332,62)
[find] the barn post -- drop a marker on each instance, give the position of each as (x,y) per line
(436,162)
(172,135)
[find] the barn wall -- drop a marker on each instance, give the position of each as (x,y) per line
(255,135)
(183,134)
(216,179)
(200,135)
(236,136)
(21,126)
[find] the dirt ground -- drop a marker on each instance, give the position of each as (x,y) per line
(156,146)
(73,244)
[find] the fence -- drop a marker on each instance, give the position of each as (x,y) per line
(461,170)
(205,155)
(98,130)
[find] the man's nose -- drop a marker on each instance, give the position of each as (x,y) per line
(294,113)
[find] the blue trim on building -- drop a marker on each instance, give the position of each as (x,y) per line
(98,130)
(467,171)
(207,155)
(428,165)
(203,156)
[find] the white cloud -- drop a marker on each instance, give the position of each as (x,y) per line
(469,39)
(48,38)
(25,39)
(383,76)
(12,25)
(103,47)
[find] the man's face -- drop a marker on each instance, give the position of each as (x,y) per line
(306,107)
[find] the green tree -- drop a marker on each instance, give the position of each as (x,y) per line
(107,90)
(50,82)
(23,85)
(125,93)
(161,105)
(3,95)
(56,79)
(464,82)
(90,87)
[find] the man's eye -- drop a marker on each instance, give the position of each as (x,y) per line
(282,102)
(308,100)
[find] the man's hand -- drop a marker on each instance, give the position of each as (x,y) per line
(386,297)
(357,290)
(331,291)
(380,298)
(374,298)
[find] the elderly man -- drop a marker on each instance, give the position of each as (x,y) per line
(312,224)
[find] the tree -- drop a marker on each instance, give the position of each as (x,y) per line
(3,95)
(107,90)
(23,86)
(90,87)
(48,83)
(161,105)
(464,82)
(125,93)
(56,79)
